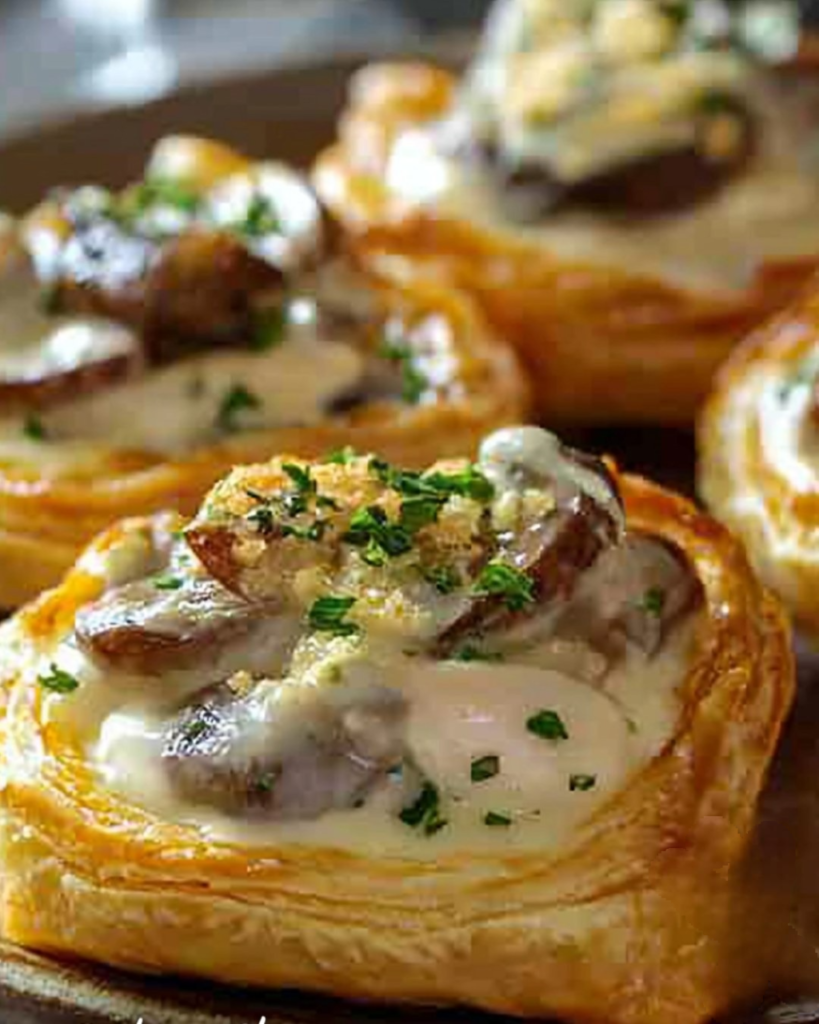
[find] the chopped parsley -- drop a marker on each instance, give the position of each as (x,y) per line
(58,680)
(300,475)
(328,615)
(237,399)
(419,511)
(263,519)
(547,725)
(582,783)
(425,811)
(152,192)
(413,382)
(653,601)
(468,483)
(380,539)
(313,531)
(34,428)
(444,578)
(194,729)
(341,456)
(496,819)
(497,579)
(483,768)
(325,501)
(269,327)
(168,582)
(469,652)
(260,219)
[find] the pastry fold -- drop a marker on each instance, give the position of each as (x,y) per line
(602,343)
(621,925)
(49,509)
(758,470)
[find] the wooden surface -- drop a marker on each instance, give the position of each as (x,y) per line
(778,946)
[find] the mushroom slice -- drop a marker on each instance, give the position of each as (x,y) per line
(283,751)
(148,627)
(44,359)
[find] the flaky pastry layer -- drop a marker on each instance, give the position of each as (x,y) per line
(621,925)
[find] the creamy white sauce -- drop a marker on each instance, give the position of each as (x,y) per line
(172,410)
(457,712)
(770,211)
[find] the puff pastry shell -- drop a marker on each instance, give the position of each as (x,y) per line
(622,925)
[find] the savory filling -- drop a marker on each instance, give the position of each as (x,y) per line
(454,655)
(602,122)
(171,315)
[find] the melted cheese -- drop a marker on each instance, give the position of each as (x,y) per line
(457,712)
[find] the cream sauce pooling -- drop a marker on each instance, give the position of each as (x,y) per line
(456,713)
(174,409)
(770,211)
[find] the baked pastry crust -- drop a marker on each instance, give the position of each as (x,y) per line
(621,925)
(602,344)
(755,471)
(46,518)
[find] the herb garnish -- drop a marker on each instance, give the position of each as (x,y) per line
(341,456)
(137,200)
(653,601)
(327,615)
(313,531)
(58,680)
(260,218)
(269,326)
(444,578)
(300,475)
(424,812)
(547,725)
(237,399)
(582,783)
(483,768)
(468,483)
(371,530)
(34,428)
(469,652)
(413,382)
(168,582)
(495,818)
(419,511)
(263,519)
(497,579)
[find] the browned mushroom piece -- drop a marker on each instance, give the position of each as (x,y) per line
(256,757)
(654,185)
(151,626)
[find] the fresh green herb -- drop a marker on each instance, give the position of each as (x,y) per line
(269,327)
(137,200)
(325,501)
(194,729)
(341,456)
(58,680)
(548,725)
(653,601)
(419,511)
(168,582)
(582,783)
(328,615)
(483,768)
(314,531)
(371,530)
(263,519)
(469,483)
(413,382)
(34,428)
(237,399)
(497,579)
(300,475)
(265,783)
(444,578)
(424,812)
(51,299)
(260,219)
(469,652)
(496,819)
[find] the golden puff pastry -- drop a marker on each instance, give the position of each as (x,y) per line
(626,195)
(206,316)
(489,734)
(758,453)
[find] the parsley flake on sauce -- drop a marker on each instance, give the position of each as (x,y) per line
(497,579)
(58,680)
(34,428)
(582,783)
(653,601)
(483,768)
(547,725)
(424,812)
(167,582)
(328,615)
(236,400)
(495,819)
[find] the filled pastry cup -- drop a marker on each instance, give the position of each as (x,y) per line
(626,194)
(489,734)
(206,316)
(759,461)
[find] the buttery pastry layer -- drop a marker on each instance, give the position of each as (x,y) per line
(203,317)
(484,733)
